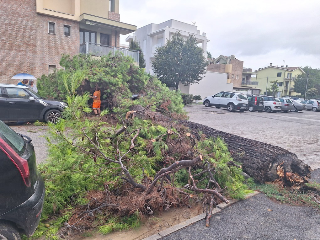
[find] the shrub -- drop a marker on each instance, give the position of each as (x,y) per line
(187,98)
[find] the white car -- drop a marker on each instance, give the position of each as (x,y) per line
(271,104)
(231,100)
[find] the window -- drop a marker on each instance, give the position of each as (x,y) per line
(52,68)
(280,84)
(17,93)
(227,95)
(51,28)
(218,94)
(104,39)
(289,75)
(232,76)
(111,6)
(87,36)
(279,74)
(66,30)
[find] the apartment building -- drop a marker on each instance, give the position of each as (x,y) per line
(152,36)
(35,33)
(230,65)
(284,76)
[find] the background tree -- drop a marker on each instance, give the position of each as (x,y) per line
(136,47)
(179,61)
(312,93)
(209,55)
(310,79)
(274,89)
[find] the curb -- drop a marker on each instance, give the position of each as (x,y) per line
(195,219)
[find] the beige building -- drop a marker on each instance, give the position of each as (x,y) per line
(229,65)
(284,76)
(35,33)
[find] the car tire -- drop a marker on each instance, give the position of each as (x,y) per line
(314,109)
(230,107)
(52,116)
(207,103)
(268,110)
(9,232)
(251,109)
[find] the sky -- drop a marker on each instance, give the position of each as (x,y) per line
(258,32)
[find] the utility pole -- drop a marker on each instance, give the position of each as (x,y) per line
(305,93)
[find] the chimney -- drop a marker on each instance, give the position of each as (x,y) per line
(270,64)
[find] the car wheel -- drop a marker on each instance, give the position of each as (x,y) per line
(251,109)
(52,116)
(268,110)
(8,232)
(314,109)
(207,103)
(230,107)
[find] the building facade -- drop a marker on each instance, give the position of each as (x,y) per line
(36,33)
(152,36)
(284,76)
(229,65)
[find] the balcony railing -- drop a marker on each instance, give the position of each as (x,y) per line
(101,50)
(250,83)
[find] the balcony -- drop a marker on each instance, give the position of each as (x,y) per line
(246,83)
(100,50)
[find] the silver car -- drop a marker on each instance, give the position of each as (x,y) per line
(286,105)
(298,105)
(313,105)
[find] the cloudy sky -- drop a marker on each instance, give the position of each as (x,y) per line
(258,32)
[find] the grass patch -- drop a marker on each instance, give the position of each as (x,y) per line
(300,197)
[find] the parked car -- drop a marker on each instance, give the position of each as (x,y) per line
(313,104)
(20,104)
(286,105)
(231,100)
(298,105)
(21,186)
(255,103)
(271,104)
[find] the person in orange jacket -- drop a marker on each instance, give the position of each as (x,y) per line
(96,101)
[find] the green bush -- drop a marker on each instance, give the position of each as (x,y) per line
(197,97)
(187,98)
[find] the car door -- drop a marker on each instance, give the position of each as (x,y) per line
(22,108)
(216,99)
(4,106)
(309,105)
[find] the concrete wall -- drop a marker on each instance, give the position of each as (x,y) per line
(211,84)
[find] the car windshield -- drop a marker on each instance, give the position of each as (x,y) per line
(33,93)
(268,98)
(281,100)
(11,137)
(242,97)
(276,100)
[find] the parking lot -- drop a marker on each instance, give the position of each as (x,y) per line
(298,132)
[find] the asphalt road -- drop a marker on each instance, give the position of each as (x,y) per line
(298,132)
(258,217)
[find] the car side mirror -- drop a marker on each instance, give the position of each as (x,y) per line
(31,98)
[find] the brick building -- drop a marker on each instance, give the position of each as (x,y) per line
(230,65)
(35,33)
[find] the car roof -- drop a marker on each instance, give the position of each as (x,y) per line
(12,85)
